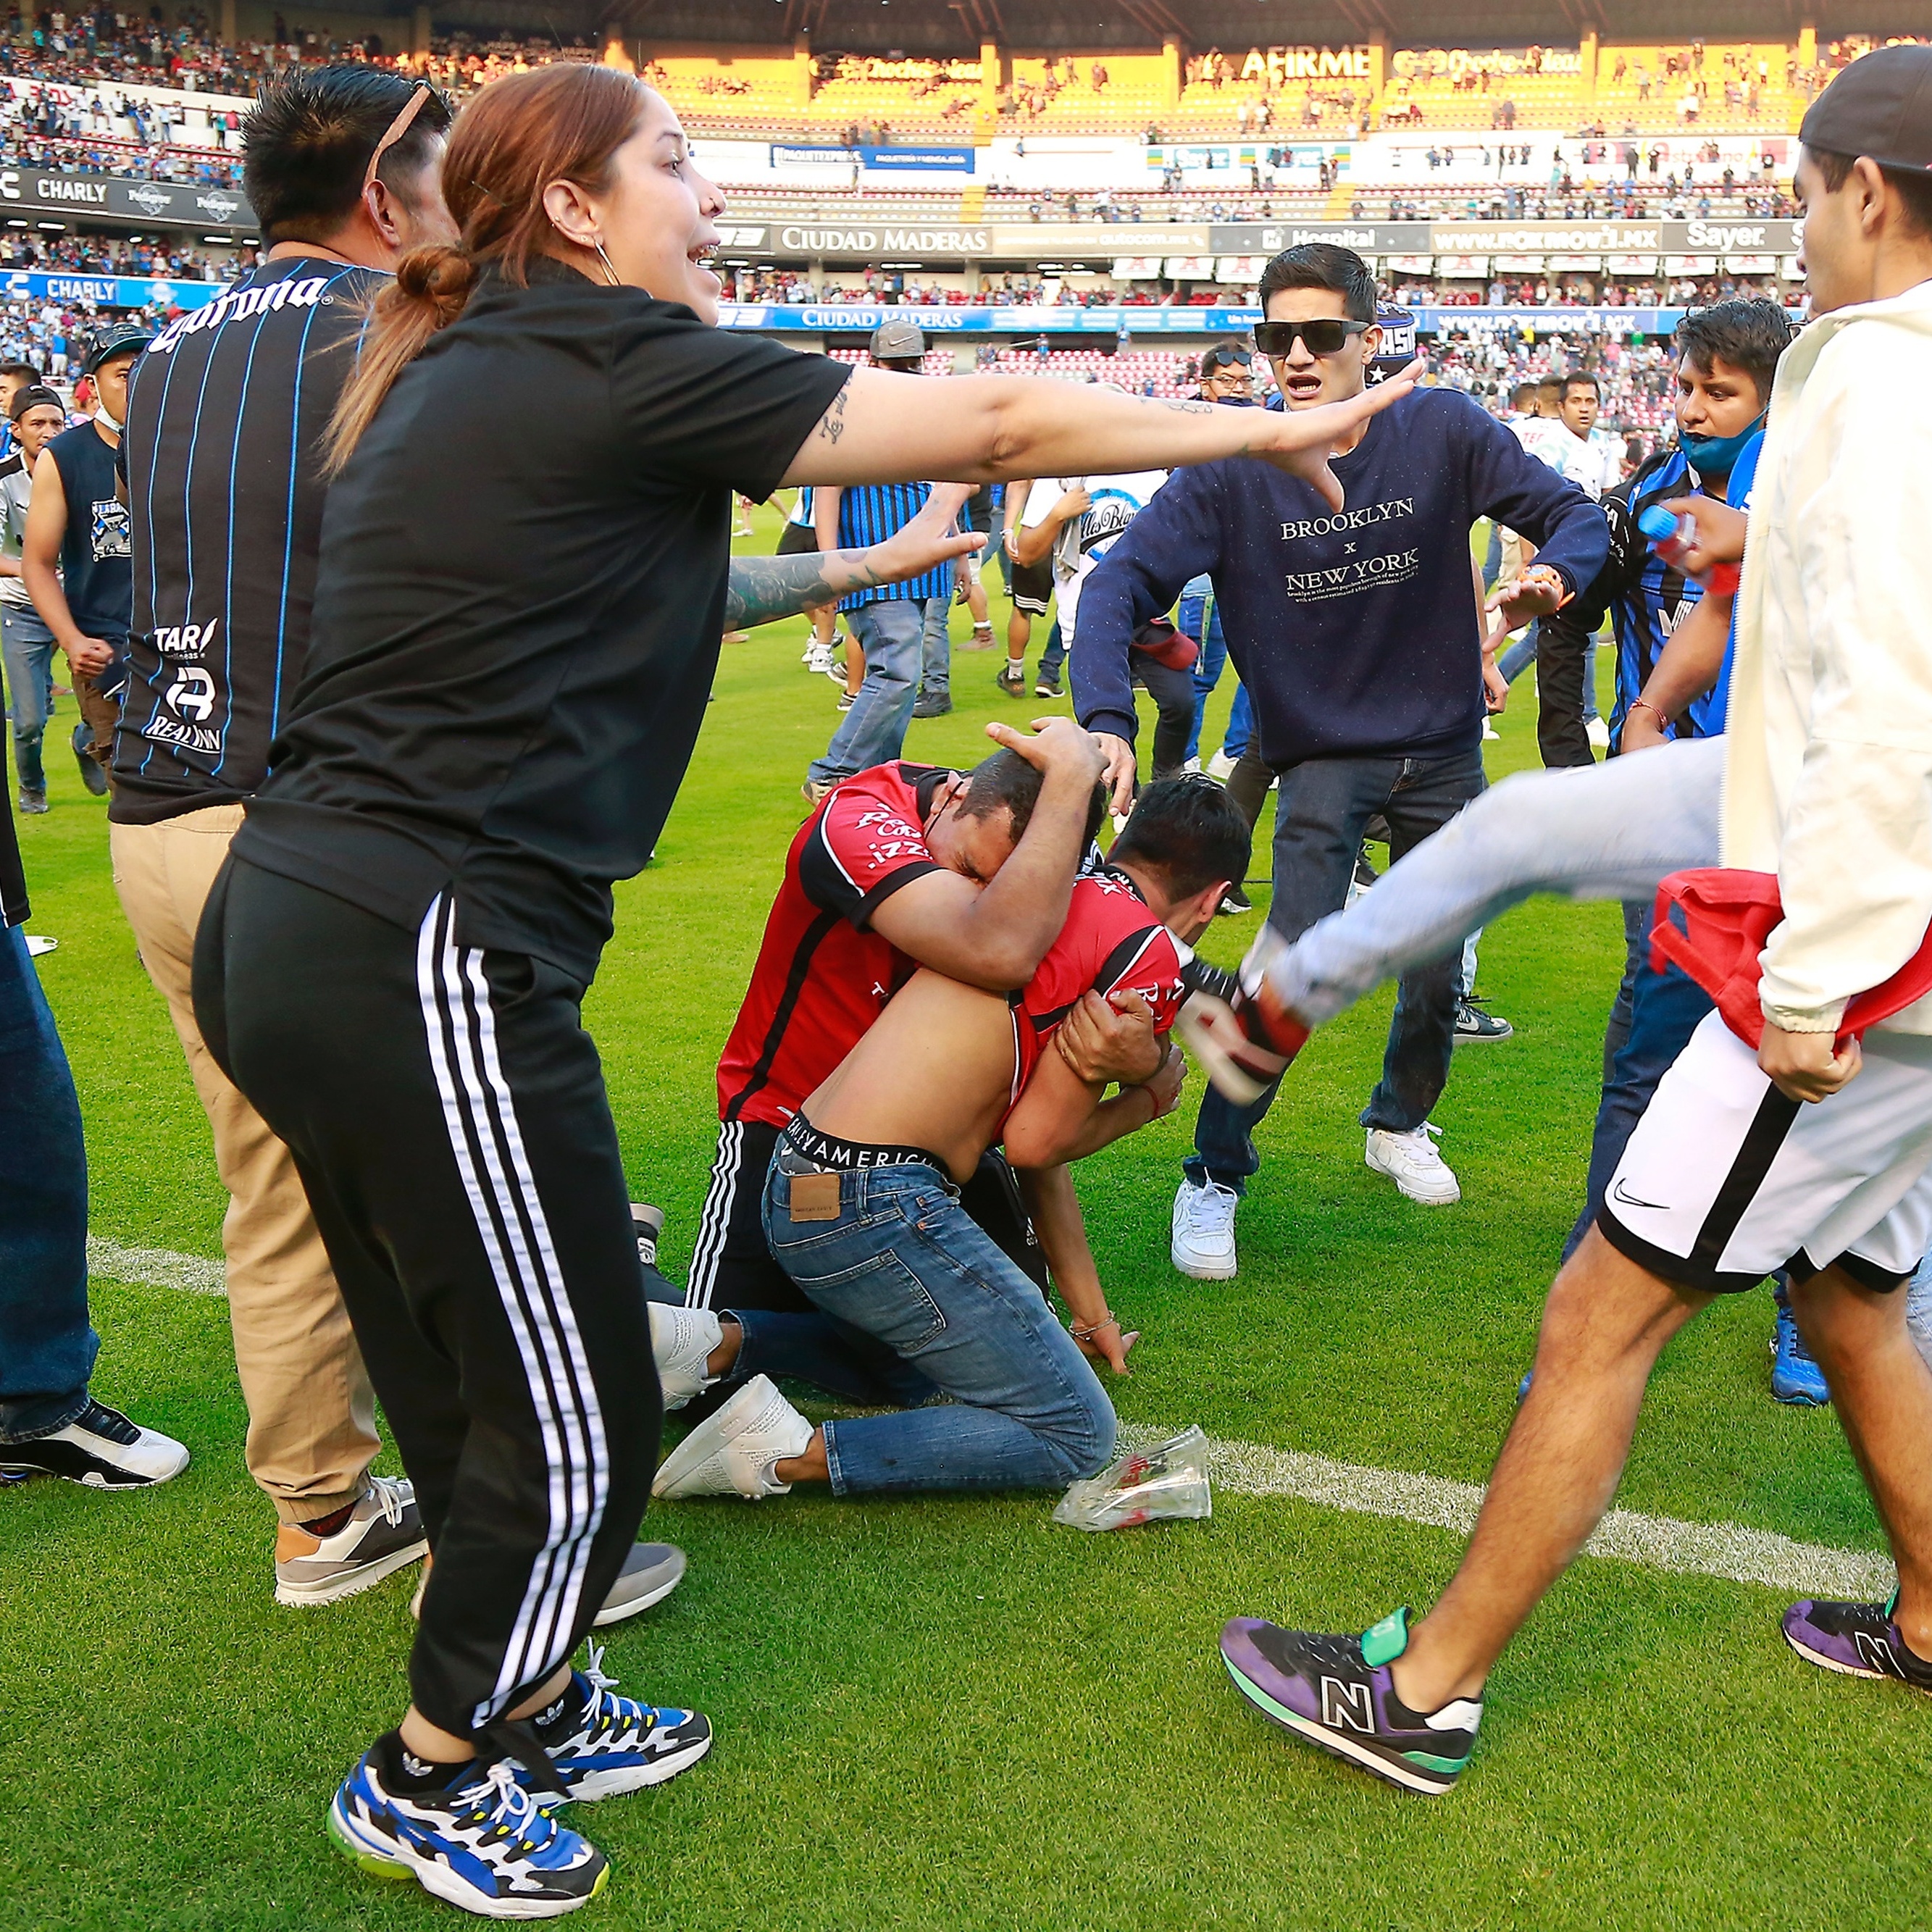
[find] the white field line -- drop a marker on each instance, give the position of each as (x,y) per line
(1727,1550)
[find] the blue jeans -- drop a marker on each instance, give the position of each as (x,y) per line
(1210,664)
(1520,656)
(28,645)
(1651,1024)
(935,649)
(904,1264)
(890,631)
(46,1348)
(1324,804)
(1053,659)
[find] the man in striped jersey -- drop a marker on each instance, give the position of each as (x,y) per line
(899,626)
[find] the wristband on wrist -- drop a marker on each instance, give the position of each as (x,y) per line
(1645,704)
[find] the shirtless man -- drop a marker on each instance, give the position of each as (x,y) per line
(862,1208)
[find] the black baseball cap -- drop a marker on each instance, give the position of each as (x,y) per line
(33,397)
(1879,108)
(118,340)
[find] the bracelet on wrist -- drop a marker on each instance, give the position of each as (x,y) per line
(1087,1332)
(1645,704)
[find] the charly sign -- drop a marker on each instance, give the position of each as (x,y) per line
(156,204)
(108,291)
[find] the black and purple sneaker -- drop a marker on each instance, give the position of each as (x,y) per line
(1337,1692)
(1858,1639)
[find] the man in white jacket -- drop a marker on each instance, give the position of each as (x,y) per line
(1804,1155)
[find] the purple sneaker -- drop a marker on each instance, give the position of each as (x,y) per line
(1337,1692)
(1858,1640)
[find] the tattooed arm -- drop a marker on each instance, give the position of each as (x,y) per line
(882,428)
(765,588)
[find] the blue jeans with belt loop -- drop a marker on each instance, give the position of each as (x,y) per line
(904,1262)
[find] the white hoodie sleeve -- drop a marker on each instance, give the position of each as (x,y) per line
(1855,862)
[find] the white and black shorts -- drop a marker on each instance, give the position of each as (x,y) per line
(1033,588)
(1725,1180)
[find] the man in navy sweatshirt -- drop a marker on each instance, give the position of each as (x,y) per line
(1357,635)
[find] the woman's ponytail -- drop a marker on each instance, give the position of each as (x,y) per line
(561,122)
(431,288)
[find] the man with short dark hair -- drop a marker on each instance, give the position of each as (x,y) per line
(1811,1145)
(1357,634)
(76,556)
(39,416)
(222,463)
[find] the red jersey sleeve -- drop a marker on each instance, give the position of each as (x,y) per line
(868,842)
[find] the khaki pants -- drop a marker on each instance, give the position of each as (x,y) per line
(102,715)
(311,1413)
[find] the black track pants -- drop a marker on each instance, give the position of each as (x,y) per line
(447,1114)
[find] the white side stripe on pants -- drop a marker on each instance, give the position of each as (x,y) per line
(488,1144)
(715,1221)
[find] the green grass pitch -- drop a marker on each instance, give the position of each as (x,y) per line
(951,1714)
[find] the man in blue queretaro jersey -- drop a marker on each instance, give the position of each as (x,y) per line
(222,460)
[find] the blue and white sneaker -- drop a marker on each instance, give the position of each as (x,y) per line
(614,1745)
(1795,1376)
(482,1842)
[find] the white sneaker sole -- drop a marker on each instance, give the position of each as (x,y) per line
(364,1576)
(601,1784)
(709,1439)
(615,1612)
(1197,1270)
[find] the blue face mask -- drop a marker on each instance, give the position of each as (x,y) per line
(1718,455)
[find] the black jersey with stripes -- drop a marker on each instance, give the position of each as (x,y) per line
(222,456)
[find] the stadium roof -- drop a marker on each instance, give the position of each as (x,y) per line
(959,26)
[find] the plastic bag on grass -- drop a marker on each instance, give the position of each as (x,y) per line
(1165,1483)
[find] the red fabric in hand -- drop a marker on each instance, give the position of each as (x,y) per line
(1729,916)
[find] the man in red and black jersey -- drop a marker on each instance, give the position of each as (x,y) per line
(900,867)
(861,1204)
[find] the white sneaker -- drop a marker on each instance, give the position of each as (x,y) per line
(1411,1161)
(818,658)
(1598,733)
(682,1340)
(1204,1230)
(1221,766)
(1491,735)
(1193,765)
(732,1453)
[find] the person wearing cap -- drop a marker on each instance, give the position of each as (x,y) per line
(76,557)
(901,628)
(1811,1151)
(37,417)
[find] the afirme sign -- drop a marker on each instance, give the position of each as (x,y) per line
(168,204)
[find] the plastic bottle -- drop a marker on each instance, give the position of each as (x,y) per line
(1672,538)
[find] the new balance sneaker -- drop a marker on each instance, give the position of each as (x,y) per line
(101,1449)
(682,1340)
(383,1533)
(1795,1376)
(1411,1162)
(1856,1640)
(603,1745)
(480,1841)
(1338,1693)
(647,1224)
(734,1452)
(1472,1023)
(651,1572)
(1203,1242)
(1011,679)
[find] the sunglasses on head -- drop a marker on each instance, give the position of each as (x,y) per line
(1324,337)
(1226,357)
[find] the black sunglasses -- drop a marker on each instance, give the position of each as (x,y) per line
(1324,338)
(1226,356)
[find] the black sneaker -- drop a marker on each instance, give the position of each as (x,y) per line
(93,773)
(932,704)
(100,1448)
(1011,681)
(32,803)
(384,1534)
(1856,1640)
(1472,1023)
(1047,687)
(1338,1693)
(1233,902)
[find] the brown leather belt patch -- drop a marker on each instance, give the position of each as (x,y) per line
(814,1197)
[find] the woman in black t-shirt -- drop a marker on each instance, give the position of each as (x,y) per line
(514,639)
